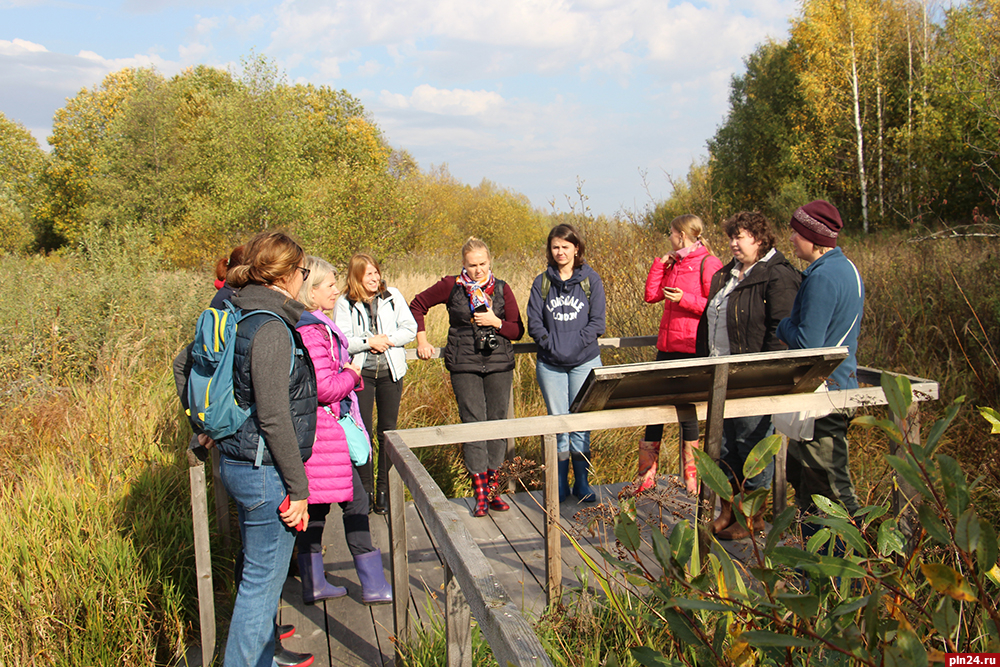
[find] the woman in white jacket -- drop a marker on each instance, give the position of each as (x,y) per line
(378,323)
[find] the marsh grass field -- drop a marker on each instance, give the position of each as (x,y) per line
(95,533)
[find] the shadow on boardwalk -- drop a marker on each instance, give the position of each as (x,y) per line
(345,632)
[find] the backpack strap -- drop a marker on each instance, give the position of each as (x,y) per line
(259,458)
(701,276)
(547,284)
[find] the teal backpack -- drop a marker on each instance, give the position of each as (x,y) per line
(212,406)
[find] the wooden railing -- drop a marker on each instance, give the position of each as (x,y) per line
(471,587)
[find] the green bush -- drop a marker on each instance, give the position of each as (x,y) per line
(886,596)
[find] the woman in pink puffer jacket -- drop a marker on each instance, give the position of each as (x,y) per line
(681,279)
(333,475)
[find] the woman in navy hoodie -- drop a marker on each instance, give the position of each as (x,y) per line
(565,317)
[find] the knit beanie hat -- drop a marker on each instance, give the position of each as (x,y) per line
(819,222)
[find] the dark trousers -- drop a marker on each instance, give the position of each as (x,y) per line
(822,465)
(689,427)
(356,530)
(383,393)
(739,436)
(483,397)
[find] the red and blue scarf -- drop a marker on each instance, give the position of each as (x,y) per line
(478,293)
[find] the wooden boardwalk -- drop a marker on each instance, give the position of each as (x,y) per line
(345,632)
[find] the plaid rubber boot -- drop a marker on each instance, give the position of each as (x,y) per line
(480,487)
(497,503)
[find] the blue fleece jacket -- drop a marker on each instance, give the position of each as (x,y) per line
(827,312)
(567,325)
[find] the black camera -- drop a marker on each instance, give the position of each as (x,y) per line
(484,338)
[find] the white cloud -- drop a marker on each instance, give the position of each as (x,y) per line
(19,46)
(369,68)
(200,45)
(193,52)
(454,102)
(466,40)
(329,68)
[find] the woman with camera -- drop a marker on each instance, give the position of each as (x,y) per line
(483,319)
(565,317)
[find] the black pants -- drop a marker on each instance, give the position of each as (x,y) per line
(483,397)
(822,465)
(383,393)
(356,530)
(689,427)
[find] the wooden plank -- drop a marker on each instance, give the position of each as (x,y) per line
(530,505)
(202,557)
(527,427)
(490,533)
(426,583)
(458,623)
(595,395)
(349,621)
(509,635)
(343,631)
(713,447)
(688,380)
(529,546)
(780,480)
(813,378)
(660,509)
(511,442)
(382,613)
(398,541)
(553,540)
(311,634)
(532,348)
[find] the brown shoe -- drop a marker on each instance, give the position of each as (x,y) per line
(737,532)
(726,517)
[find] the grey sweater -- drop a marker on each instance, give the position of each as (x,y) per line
(271,350)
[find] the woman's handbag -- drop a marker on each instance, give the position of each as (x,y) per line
(358,444)
(357,439)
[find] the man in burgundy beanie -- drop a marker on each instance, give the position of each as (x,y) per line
(827,313)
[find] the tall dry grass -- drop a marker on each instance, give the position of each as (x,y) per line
(95,537)
(94,512)
(929,312)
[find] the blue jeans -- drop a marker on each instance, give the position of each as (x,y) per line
(267,549)
(560,385)
(739,436)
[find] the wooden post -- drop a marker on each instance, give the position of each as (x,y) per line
(904,496)
(222,523)
(511,442)
(553,536)
(780,481)
(713,447)
(202,557)
(398,556)
(457,622)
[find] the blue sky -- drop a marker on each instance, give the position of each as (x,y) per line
(530,94)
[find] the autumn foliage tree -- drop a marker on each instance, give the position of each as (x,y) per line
(21,162)
(871,105)
(204,159)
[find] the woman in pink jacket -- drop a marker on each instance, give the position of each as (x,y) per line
(681,279)
(333,477)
